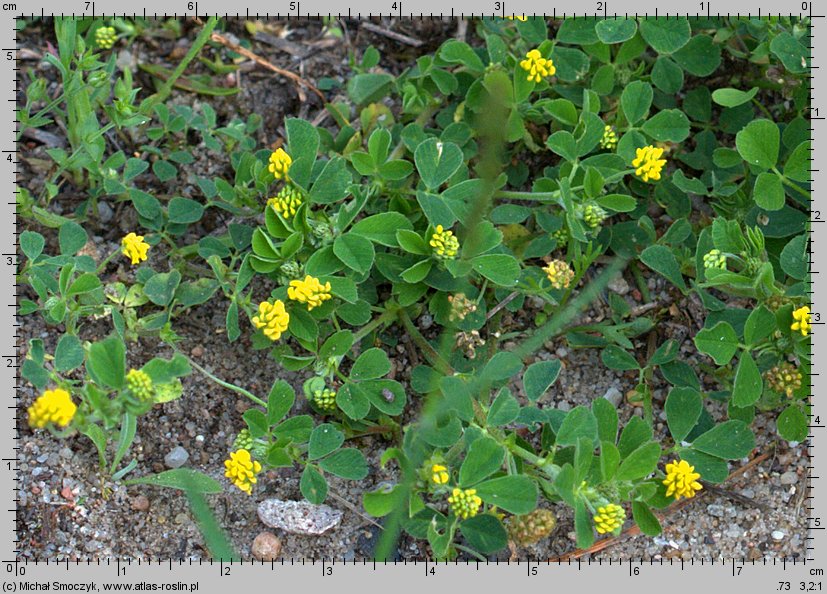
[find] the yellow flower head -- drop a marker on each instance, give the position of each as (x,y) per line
(280,163)
(559,274)
(140,384)
(681,480)
(515,17)
(287,202)
(272,319)
(648,163)
(134,247)
(242,470)
(444,243)
(465,503)
(439,474)
(609,518)
(537,66)
(802,321)
(609,140)
(105,37)
(309,291)
(53,406)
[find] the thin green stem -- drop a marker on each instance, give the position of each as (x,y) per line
(388,315)
(222,383)
(430,352)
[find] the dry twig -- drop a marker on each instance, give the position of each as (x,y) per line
(392,34)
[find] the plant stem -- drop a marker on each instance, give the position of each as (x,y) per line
(430,352)
(166,88)
(388,315)
(222,383)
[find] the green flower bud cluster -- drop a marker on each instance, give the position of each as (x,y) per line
(714,259)
(561,236)
(784,378)
(325,399)
(530,528)
(140,384)
(243,441)
(594,215)
(105,37)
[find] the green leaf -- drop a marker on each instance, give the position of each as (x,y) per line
(768,192)
(792,424)
(371,364)
(514,494)
(384,500)
(636,100)
(504,409)
(577,32)
(617,202)
(665,35)
(640,463)
(313,485)
(758,143)
(364,88)
(303,144)
(164,170)
(759,325)
(336,345)
(500,269)
(579,422)
(562,143)
(618,359)
(459,52)
(353,401)
(279,401)
(354,251)
(484,458)
(86,282)
(347,463)
(184,210)
(733,97)
(748,384)
(609,460)
(484,533)
(607,420)
(32,244)
(324,440)
(184,479)
(683,409)
(437,161)
(502,366)
(71,237)
(645,519)
(160,288)
(106,362)
(383,228)
(332,184)
(661,259)
(69,353)
(794,261)
(636,432)
(731,440)
(667,76)
(616,30)
(719,342)
(700,57)
(295,429)
(539,377)
(792,53)
(668,125)
(798,165)
(256,422)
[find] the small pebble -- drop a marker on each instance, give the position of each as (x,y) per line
(197,351)
(789,478)
(140,503)
(619,285)
(777,535)
(614,396)
(176,458)
(266,547)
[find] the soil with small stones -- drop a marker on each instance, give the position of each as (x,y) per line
(69,510)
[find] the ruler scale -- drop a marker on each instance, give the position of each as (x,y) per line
(803,574)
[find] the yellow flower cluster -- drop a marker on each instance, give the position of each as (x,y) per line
(609,140)
(681,480)
(444,243)
(559,274)
(140,384)
(522,18)
(609,518)
(53,406)
(280,163)
(287,202)
(465,503)
(135,248)
(802,318)
(242,470)
(309,291)
(648,163)
(439,474)
(714,259)
(537,66)
(272,319)
(105,37)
